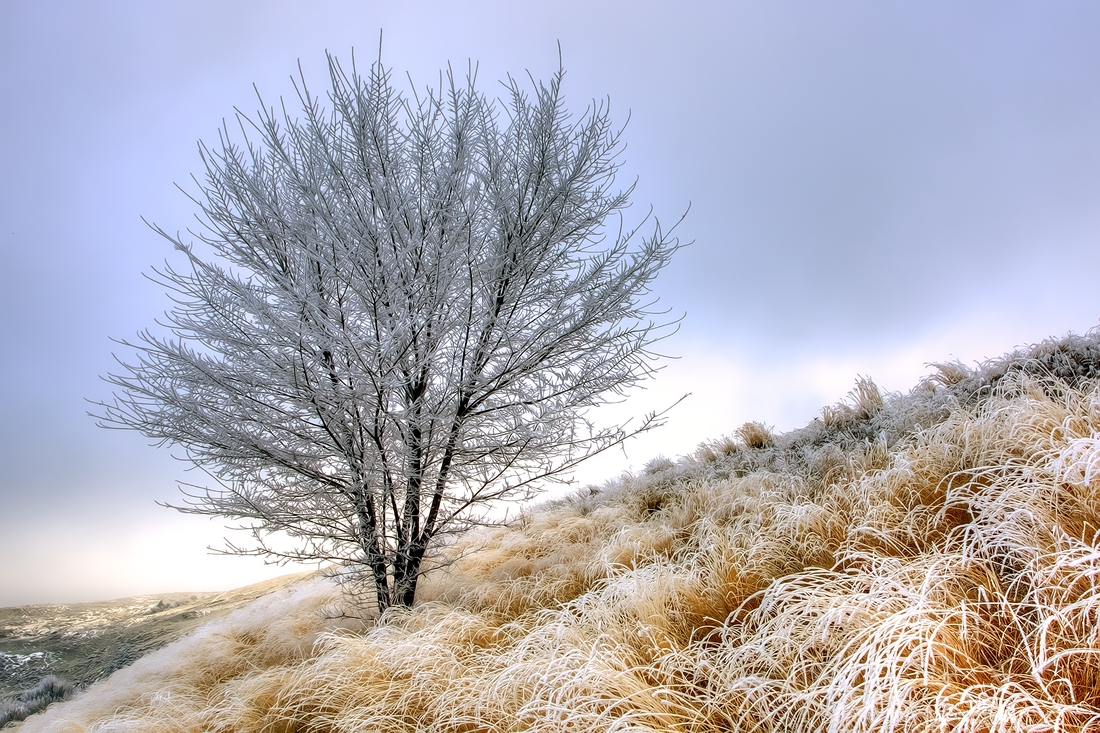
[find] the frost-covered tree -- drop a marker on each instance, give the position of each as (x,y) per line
(395,313)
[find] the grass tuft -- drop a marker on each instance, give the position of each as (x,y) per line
(50,689)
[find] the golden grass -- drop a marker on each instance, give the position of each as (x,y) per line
(920,562)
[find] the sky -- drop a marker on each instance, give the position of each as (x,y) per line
(873,187)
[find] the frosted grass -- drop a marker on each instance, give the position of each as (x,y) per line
(918,562)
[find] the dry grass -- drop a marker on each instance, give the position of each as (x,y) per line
(918,562)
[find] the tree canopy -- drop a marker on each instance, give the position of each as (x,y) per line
(397,311)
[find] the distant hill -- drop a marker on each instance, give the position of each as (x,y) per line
(919,561)
(85,642)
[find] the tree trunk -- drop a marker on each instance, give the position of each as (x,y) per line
(404,589)
(373,554)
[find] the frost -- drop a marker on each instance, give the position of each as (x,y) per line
(9,662)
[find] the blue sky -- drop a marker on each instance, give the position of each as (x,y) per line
(873,186)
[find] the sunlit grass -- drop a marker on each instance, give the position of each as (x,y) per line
(928,561)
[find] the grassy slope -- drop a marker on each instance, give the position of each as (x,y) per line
(84,642)
(926,561)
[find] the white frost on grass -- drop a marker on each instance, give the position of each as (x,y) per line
(15,661)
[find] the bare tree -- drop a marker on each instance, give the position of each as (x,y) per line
(396,312)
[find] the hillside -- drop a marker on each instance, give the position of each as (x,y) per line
(84,642)
(926,561)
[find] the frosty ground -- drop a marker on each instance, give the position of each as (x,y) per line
(919,561)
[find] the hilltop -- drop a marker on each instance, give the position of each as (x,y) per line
(918,561)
